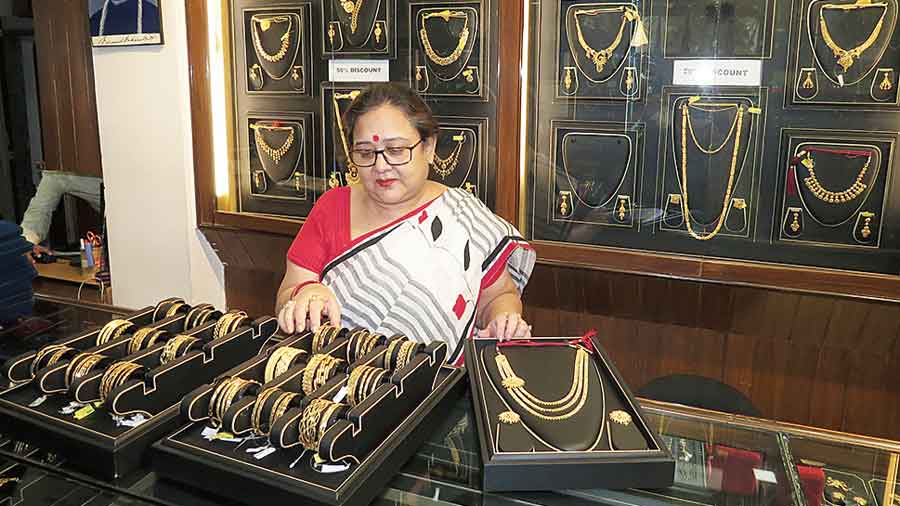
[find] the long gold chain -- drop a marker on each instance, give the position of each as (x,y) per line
(275,154)
(711,150)
(685,126)
(601,57)
(445,166)
(353,10)
(352,174)
(847,57)
(560,409)
(815,186)
(265,23)
(446,15)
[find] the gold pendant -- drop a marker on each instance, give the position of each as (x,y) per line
(469,74)
(565,203)
(418,73)
(808,82)
(620,417)
(331,34)
(378,33)
(513,382)
(568,79)
(675,199)
(295,75)
(600,60)
(886,84)
(740,204)
(629,80)
(348,6)
(866,231)
(621,210)
(352,174)
(297,176)
(265,24)
(333,181)
(846,61)
(469,187)
(509,417)
(795,225)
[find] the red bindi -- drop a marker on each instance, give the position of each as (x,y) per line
(375,138)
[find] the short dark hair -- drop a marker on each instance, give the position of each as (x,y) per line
(398,95)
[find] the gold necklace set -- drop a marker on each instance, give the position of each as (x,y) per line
(560,409)
(815,187)
(600,57)
(445,166)
(276,154)
(352,174)
(264,24)
(736,130)
(454,55)
(847,57)
(352,8)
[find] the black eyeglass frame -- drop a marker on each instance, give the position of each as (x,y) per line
(377,152)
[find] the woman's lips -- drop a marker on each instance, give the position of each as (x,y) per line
(385,183)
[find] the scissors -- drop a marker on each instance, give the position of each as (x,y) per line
(94,239)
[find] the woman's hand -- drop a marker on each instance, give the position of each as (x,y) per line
(305,311)
(506,326)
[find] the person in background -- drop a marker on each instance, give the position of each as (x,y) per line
(398,253)
(54,184)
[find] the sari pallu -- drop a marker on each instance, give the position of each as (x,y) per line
(422,275)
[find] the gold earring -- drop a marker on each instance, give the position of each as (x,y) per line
(808,83)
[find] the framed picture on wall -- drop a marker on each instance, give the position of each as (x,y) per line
(125,22)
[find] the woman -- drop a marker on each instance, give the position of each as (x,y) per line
(397,252)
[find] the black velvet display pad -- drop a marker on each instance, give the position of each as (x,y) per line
(367,28)
(441,62)
(103,445)
(373,439)
(265,32)
(531,453)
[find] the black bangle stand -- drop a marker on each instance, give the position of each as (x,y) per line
(530,453)
(93,436)
(366,444)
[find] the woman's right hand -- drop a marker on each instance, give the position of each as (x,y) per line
(308,308)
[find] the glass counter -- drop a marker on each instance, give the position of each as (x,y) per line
(721,459)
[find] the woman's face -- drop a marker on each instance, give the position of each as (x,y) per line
(387,127)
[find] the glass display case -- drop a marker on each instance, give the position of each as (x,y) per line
(738,129)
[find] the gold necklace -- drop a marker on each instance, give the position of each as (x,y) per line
(710,150)
(561,409)
(445,166)
(815,186)
(686,125)
(264,24)
(275,154)
(601,57)
(847,57)
(353,10)
(446,15)
(352,174)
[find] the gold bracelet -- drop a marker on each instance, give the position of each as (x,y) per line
(326,417)
(309,422)
(173,309)
(117,374)
(280,407)
(137,339)
(280,361)
(326,371)
(405,354)
(256,414)
(309,373)
(112,330)
(43,352)
(353,382)
(80,365)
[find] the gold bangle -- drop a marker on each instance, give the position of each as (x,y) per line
(309,372)
(57,355)
(390,351)
(325,371)
(43,352)
(217,392)
(280,407)
(80,365)
(323,421)
(160,304)
(309,422)
(116,375)
(173,309)
(112,330)
(280,361)
(192,319)
(173,348)
(405,354)
(137,339)
(256,414)
(353,382)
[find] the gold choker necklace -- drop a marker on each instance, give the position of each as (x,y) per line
(815,187)
(446,15)
(445,166)
(275,154)
(561,409)
(736,130)
(847,57)
(352,174)
(601,57)
(264,23)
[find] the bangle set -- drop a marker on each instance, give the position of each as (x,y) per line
(315,420)
(144,338)
(280,361)
(363,381)
(52,352)
(116,375)
(279,407)
(112,330)
(163,306)
(361,343)
(177,346)
(228,323)
(80,365)
(198,315)
(324,336)
(399,353)
(319,369)
(224,395)
(173,309)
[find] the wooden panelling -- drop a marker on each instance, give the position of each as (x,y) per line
(66,74)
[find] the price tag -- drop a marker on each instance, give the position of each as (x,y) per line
(459,138)
(37,402)
(754,110)
(265,453)
(339,396)
(84,412)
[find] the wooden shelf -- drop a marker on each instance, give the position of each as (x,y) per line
(62,271)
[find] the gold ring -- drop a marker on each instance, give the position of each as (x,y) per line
(315,297)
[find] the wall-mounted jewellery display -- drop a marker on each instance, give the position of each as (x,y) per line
(460,154)
(721,30)
(602,49)
(835,183)
(277,46)
(530,421)
(108,393)
(359,28)
(597,168)
(843,53)
(326,417)
(448,52)
(709,167)
(278,178)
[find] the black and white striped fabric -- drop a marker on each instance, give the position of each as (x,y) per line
(422,276)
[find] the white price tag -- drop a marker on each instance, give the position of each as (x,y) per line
(265,453)
(339,396)
(37,402)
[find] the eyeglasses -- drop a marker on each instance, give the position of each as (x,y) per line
(394,155)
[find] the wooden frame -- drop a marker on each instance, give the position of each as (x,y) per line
(508,185)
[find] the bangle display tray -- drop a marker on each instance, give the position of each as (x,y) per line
(554,413)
